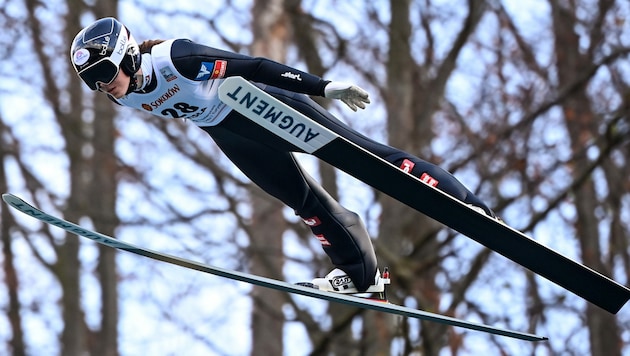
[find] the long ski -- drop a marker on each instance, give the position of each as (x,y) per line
(32,211)
(316,139)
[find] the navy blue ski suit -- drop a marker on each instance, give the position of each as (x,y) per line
(269,161)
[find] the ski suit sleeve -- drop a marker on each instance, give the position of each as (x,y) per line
(188,58)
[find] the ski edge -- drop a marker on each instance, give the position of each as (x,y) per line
(26,208)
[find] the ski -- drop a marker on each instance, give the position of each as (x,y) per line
(316,139)
(354,301)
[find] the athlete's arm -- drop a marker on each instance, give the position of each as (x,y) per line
(188,58)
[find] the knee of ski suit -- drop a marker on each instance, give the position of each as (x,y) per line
(343,237)
(437,177)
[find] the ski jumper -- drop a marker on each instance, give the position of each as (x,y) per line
(183,84)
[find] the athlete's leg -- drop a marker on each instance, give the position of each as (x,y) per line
(418,167)
(341,232)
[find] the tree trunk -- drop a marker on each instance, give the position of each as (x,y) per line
(400,226)
(268,224)
(16,343)
(581,123)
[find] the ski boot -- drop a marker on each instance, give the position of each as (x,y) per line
(337,281)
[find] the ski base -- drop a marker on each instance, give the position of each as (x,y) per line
(354,301)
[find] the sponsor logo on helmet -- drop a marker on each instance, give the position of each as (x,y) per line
(118,51)
(121,45)
(105,46)
(81,56)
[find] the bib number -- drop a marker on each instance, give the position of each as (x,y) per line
(183,110)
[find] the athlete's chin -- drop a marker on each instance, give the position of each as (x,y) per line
(116,93)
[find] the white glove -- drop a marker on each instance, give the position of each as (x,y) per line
(350,94)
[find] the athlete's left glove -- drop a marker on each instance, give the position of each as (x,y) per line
(350,94)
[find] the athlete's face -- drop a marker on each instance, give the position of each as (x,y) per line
(118,87)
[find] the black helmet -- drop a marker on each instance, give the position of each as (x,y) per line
(100,50)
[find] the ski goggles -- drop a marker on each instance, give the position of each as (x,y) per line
(104,71)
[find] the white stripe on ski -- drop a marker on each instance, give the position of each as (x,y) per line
(275,116)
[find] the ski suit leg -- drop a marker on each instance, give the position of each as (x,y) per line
(426,171)
(268,163)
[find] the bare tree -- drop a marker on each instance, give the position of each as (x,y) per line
(268,225)
(17,344)
(584,127)
(87,145)
(531,112)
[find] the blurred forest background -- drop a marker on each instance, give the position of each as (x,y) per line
(526,102)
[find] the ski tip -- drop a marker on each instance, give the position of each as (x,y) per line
(7,197)
(14,200)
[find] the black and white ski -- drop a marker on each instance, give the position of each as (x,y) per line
(313,138)
(30,210)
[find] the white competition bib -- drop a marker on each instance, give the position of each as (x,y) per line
(177,97)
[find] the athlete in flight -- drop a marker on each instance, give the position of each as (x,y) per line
(179,78)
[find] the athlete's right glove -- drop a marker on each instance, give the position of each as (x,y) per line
(350,94)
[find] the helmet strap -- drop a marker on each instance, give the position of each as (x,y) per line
(145,74)
(140,79)
(133,84)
